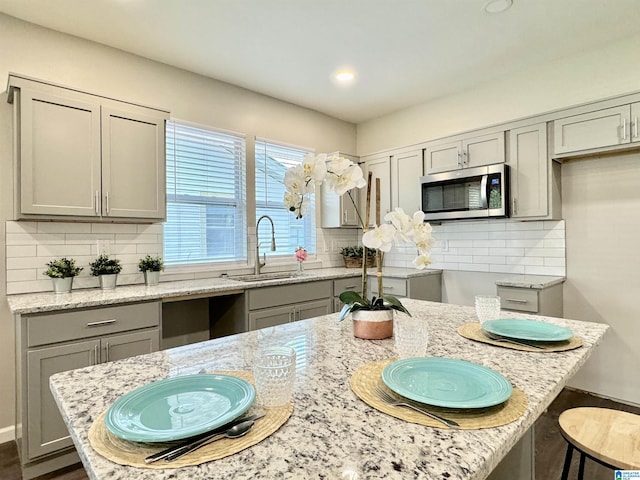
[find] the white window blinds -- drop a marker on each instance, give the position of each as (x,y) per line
(272,160)
(206,195)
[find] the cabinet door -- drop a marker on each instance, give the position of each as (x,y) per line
(380,168)
(313,309)
(602,128)
(133,164)
(406,170)
(635,115)
(483,150)
(529,171)
(59,155)
(442,157)
(339,211)
(46,430)
(117,347)
(270,317)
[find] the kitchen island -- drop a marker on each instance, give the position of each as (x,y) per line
(332,433)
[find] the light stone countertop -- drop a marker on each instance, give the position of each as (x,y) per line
(537,282)
(331,430)
(94,297)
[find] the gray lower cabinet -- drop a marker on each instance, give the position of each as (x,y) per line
(539,301)
(59,341)
(421,287)
(270,306)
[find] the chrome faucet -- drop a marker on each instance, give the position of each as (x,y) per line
(260,264)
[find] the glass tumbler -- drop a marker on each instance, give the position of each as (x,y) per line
(274,371)
(487,307)
(411,336)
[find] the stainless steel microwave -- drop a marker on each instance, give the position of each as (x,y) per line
(477,192)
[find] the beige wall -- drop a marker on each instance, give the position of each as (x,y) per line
(609,71)
(66,60)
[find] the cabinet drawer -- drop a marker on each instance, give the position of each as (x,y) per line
(289,294)
(343,284)
(392,286)
(520,299)
(57,327)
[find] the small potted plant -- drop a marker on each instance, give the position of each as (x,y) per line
(107,269)
(61,271)
(151,267)
(352,257)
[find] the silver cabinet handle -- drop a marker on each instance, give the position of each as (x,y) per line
(387,288)
(635,127)
(95,354)
(465,159)
(106,350)
(350,287)
(97,202)
(515,206)
(107,203)
(459,158)
(624,129)
(516,300)
(101,323)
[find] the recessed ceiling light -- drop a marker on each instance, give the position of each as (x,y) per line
(497,6)
(344,77)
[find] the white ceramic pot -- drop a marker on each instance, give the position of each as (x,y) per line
(372,324)
(62,285)
(108,282)
(151,278)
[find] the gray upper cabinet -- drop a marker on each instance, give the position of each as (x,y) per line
(599,129)
(534,190)
(339,210)
(380,167)
(464,151)
(82,156)
(406,170)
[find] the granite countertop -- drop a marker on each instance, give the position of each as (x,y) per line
(530,281)
(92,297)
(331,430)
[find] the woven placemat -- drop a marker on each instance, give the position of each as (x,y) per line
(366,378)
(473,331)
(133,454)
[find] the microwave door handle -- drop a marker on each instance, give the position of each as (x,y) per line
(483,191)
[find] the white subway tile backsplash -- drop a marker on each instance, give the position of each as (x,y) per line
(63,227)
(30,245)
(21,251)
(21,227)
(501,246)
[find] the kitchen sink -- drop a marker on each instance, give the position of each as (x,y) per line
(263,276)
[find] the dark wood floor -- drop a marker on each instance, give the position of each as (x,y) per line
(550,446)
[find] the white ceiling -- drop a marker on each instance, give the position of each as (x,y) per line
(404,51)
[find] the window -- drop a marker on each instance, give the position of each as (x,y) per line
(206,195)
(272,160)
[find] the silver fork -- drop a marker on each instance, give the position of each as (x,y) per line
(499,338)
(391,400)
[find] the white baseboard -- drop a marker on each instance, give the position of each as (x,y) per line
(7,434)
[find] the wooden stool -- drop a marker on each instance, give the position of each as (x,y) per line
(609,437)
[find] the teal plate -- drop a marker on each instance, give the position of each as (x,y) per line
(446,382)
(527,330)
(179,407)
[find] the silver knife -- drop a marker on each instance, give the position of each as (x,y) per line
(500,338)
(200,437)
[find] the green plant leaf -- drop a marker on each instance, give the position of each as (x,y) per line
(395,304)
(350,297)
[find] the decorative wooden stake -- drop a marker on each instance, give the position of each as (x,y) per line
(365,229)
(378,252)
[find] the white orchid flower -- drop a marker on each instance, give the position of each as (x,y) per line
(402,223)
(314,168)
(421,261)
(352,177)
(379,238)
(337,165)
(294,180)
